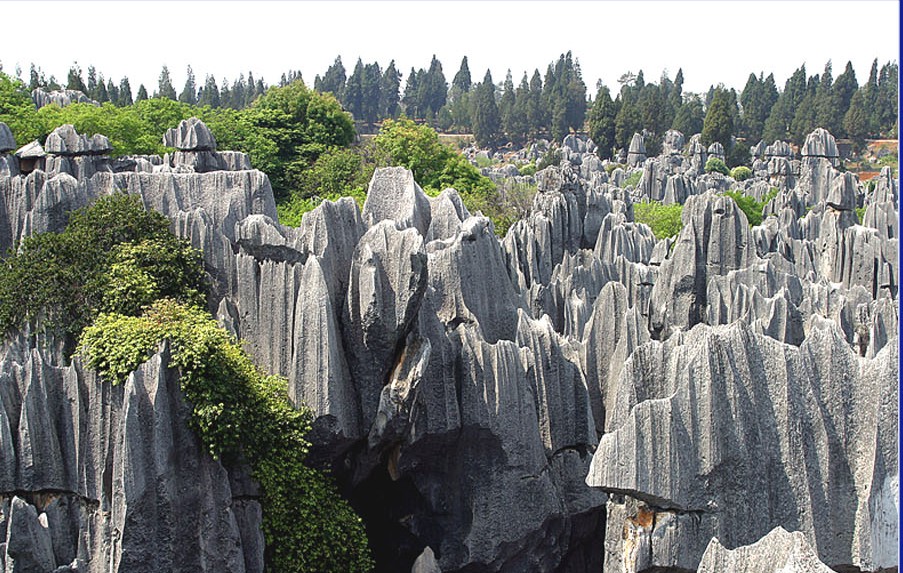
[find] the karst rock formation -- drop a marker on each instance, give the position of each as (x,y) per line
(574,396)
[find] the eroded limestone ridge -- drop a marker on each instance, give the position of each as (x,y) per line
(573,396)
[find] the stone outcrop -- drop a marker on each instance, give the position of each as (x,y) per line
(578,391)
(777,551)
(110,478)
(62,98)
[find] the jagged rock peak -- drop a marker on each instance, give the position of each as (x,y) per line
(62,98)
(820,143)
(636,154)
(778,149)
(7,141)
(191,135)
(673,142)
(64,140)
(780,550)
(393,194)
(716,150)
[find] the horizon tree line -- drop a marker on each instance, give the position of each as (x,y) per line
(556,103)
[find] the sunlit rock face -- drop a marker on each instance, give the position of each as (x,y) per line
(577,395)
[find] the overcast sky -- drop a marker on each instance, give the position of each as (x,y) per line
(712,41)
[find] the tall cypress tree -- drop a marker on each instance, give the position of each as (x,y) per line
(125,92)
(388,91)
(189,92)
(719,119)
(485,116)
(210,93)
(164,85)
(462,78)
(601,122)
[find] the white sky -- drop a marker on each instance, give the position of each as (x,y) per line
(712,41)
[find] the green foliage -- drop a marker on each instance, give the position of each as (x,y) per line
(292,211)
(750,206)
(719,118)
(552,157)
(505,205)
(633,178)
(612,166)
(435,166)
(113,255)
(715,165)
(740,173)
(601,123)
(860,214)
(528,170)
(17,110)
(664,220)
(483,161)
(241,414)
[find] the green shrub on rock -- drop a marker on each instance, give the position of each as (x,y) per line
(241,414)
(715,165)
(741,173)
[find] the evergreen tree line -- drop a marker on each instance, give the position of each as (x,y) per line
(495,114)
(759,112)
(235,95)
(554,104)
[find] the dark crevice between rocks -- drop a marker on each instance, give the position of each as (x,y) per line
(390,509)
(42,498)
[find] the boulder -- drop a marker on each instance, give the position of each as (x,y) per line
(191,135)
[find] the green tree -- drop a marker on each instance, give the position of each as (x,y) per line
(485,117)
(190,91)
(113,255)
(125,93)
(74,80)
(778,124)
(856,122)
(333,81)
(690,116)
(462,80)
(388,91)
(719,119)
(289,128)
(164,85)
(142,93)
(210,93)
(601,122)
(17,110)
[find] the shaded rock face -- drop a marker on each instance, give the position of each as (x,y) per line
(105,478)
(576,396)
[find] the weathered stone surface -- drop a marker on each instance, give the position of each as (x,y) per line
(191,135)
(780,550)
(636,154)
(820,143)
(718,403)
(454,375)
(393,194)
(61,98)
(66,141)
(126,451)
(672,142)
(7,141)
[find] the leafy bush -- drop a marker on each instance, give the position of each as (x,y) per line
(860,214)
(552,157)
(113,255)
(505,206)
(633,178)
(715,165)
(483,161)
(435,166)
(741,173)
(528,170)
(750,206)
(664,220)
(241,414)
